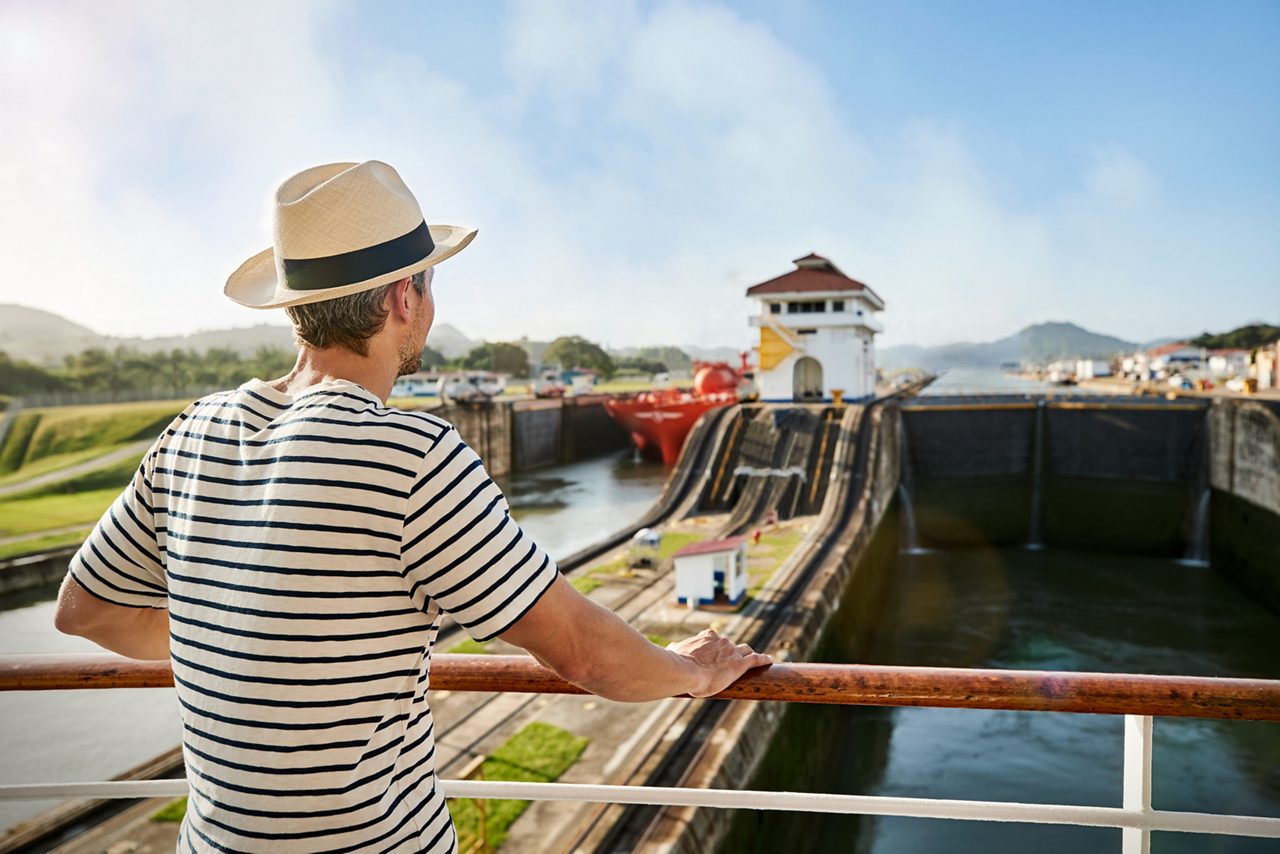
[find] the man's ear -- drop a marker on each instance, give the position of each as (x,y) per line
(398,298)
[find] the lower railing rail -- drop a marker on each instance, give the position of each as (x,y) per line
(1137,697)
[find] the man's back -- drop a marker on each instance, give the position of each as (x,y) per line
(304,547)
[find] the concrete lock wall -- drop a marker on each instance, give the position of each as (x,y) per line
(967,472)
(1123,479)
(536,434)
(1100,475)
(515,436)
(1244,473)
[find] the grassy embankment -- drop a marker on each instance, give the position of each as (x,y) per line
(43,441)
(538,753)
(620,567)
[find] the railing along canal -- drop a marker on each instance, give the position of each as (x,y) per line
(1138,698)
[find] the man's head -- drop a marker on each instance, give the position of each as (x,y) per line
(400,313)
(342,229)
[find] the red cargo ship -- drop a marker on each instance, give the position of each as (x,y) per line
(660,420)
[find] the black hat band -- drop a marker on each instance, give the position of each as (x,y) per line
(361,265)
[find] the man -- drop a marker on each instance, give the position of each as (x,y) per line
(292,545)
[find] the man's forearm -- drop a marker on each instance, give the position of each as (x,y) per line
(622,664)
(595,648)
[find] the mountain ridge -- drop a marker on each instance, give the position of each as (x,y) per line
(1039,342)
(43,337)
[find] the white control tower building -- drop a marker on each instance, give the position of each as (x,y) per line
(817,330)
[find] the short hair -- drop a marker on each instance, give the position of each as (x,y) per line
(348,321)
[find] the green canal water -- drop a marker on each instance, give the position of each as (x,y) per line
(1041,610)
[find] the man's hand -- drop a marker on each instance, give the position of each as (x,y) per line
(720,661)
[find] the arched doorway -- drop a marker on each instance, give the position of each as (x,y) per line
(806,379)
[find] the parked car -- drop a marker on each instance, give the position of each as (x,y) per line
(471,386)
(548,384)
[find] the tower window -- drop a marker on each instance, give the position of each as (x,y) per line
(837,305)
(775,308)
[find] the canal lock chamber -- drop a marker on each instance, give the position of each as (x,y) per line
(1070,535)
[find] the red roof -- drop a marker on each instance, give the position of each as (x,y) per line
(710,547)
(813,273)
(1166,349)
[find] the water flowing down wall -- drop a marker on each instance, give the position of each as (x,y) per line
(1113,475)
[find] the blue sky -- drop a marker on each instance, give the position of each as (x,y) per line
(633,167)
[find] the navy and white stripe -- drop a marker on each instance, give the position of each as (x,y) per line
(306,548)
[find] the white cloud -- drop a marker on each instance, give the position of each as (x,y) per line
(640,167)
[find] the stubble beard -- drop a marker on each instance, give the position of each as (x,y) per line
(409,360)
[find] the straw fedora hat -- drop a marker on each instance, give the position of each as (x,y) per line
(340,229)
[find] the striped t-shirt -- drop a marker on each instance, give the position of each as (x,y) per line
(305,548)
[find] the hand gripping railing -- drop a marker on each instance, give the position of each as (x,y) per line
(1137,697)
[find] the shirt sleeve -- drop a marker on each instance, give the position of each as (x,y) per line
(462,549)
(121,561)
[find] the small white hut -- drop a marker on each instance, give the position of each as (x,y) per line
(712,573)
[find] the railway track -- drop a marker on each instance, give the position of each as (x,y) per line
(631,826)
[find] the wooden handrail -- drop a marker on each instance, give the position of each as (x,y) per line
(835,684)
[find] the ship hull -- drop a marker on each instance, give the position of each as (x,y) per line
(659,423)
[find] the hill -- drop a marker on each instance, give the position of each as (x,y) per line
(1244,338)
(42,337)
(1042,342)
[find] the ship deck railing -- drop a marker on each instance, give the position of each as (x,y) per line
(1138,698)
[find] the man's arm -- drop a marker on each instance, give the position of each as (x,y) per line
(131,632)
(594,648)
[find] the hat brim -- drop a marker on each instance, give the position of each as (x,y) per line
(256,284)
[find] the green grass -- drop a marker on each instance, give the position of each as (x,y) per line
(538,753)
(779,545)
(43,512)
(57,461)
(660,640)
(113,476)
(80,500)
(174,811)
(584,584)
(673,541)
(470,647)
(77,428)
(34,545)
(16,442)
(625,384)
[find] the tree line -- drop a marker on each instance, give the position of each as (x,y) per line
(567,351)
(1245,338)
(126,369)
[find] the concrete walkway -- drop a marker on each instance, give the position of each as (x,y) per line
(85,467)
(50,532)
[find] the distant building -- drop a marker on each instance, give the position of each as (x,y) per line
(712,573)
(1087,369)
(1266,366)
(1174,357)
(1229,362)
(817,330)
(1159,362)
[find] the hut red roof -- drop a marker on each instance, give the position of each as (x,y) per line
(813,273)
(710,547)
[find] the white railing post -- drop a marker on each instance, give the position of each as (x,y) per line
(1137,781)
